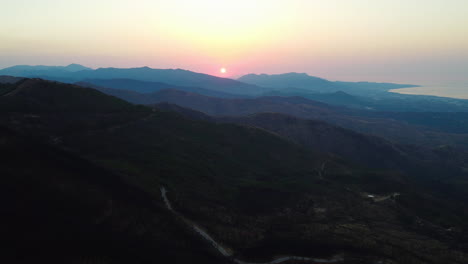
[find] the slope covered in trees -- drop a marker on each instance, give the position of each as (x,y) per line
(252,189)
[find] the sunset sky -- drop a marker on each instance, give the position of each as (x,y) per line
(376,40)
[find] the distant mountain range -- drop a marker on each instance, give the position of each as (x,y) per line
(246,85)
(318,85)
(358,95)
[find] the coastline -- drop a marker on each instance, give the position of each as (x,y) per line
(449,91)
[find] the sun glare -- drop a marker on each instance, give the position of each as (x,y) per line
(223,70)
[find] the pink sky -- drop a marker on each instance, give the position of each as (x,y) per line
(388,40)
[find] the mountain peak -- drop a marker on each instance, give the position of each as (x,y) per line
(295,74)
(76,67)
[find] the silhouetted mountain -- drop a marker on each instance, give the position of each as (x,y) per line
(149,87)
(315,84)
(32,71)
(254,191)
(176,77)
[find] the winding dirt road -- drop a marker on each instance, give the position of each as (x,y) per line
(227,252)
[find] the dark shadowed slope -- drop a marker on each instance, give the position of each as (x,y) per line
(254,191)
(58,208)
(63,108)
(53,96)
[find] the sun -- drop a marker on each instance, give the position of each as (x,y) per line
(223,70)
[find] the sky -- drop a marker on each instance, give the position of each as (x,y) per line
(412,41)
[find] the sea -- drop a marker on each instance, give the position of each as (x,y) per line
(458,90)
